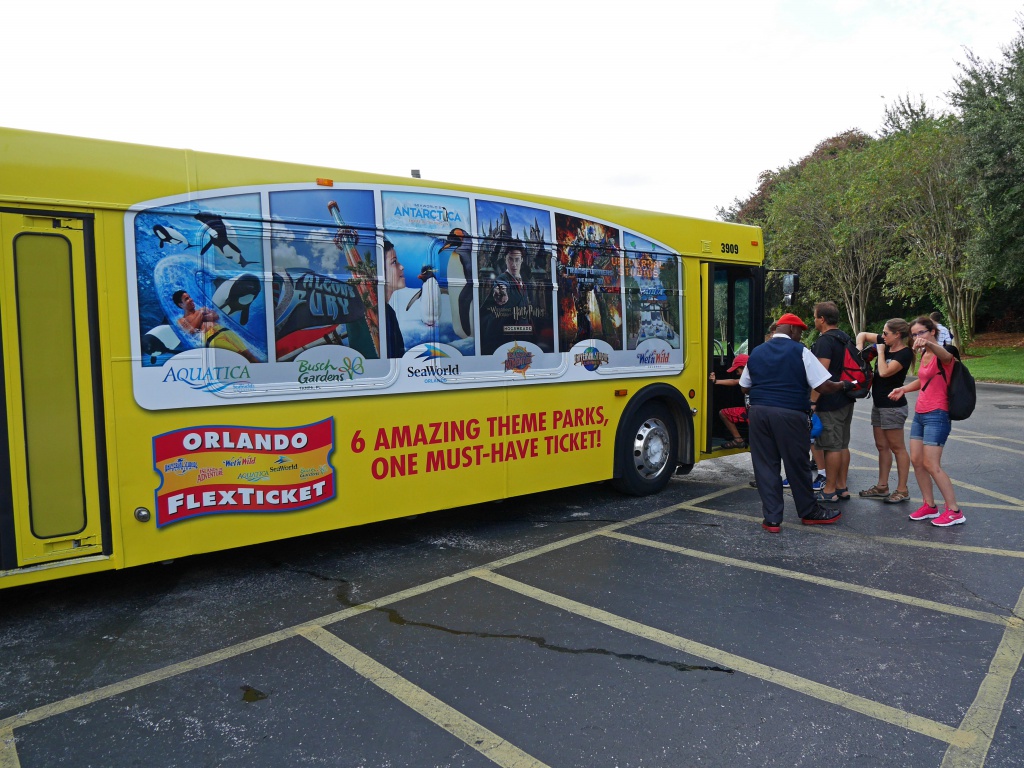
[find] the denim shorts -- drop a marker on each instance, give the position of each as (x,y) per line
(932,427)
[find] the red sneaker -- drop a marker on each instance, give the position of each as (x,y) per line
(924,512)
(949,517)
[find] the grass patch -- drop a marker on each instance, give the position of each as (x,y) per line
(1003,364)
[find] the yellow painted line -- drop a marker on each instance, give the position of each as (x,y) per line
(985,445)
(985,491)
(970,505)
(983,715)
(1018,503)
(189,665)
(124,686)
(483,740)
(984,436)
(1015,505)
(99,694)
(832,531)
(957,435)
(959,430)
(896,597)
(864,706)
(8,749)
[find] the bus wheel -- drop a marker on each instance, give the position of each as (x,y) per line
(647,449)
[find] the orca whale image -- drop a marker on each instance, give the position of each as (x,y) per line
(169,236)
(236,295)
(161,340)
(219,239)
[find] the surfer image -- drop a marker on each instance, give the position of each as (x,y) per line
(201,323)
(394,279)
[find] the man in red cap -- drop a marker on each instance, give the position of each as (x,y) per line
(732,416)
(779,377)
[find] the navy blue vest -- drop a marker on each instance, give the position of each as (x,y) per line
(778,377)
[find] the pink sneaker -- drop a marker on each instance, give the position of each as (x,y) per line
(924,512)
(949,517)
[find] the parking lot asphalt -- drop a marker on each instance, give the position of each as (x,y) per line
(572,628)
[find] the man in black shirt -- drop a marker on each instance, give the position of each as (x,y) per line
(834,410)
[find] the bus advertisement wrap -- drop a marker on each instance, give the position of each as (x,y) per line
(272,293)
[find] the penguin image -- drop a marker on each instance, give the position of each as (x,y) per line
(219,239)
(430,296)
(169,236)
(460,272)
(161,340)
(235,296)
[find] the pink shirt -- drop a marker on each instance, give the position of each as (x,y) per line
(936,397)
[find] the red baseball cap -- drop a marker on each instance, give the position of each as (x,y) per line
(738,362)
(790,319)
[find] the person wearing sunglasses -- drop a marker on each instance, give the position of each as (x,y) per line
(893,358)
(930,428)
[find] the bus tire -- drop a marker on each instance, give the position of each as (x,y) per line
(648,449)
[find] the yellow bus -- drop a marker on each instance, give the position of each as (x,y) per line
(202,352)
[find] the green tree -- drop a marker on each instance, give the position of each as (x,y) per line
(752,210)
(931,187)
(833,222)
(904,115)
(990,98)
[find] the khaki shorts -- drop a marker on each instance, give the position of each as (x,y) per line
(835,429)
(889,418)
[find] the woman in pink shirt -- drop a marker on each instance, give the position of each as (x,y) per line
(930,428)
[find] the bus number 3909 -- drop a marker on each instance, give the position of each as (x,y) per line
(730,248)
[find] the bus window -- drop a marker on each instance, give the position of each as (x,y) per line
(49,385)
(741,315)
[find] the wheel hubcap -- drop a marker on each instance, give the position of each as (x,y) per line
(651,448)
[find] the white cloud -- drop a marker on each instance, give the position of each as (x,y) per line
(284,256)
(321,241)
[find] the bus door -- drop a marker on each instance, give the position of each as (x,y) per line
(50,472)
(735,297)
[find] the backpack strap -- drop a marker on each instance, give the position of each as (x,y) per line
(942,372)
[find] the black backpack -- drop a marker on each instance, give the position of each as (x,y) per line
(960,388)
(855,368)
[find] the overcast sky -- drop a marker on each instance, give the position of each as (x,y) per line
(669,105)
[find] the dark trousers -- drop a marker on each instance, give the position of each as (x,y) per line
(780,434)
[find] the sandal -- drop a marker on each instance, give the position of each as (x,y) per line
(831,498)
(843,494)
(737,443)
(876,492)
(897,496)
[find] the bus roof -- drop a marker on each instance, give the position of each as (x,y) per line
(55,170)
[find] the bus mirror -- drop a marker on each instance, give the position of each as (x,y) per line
(790,285)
